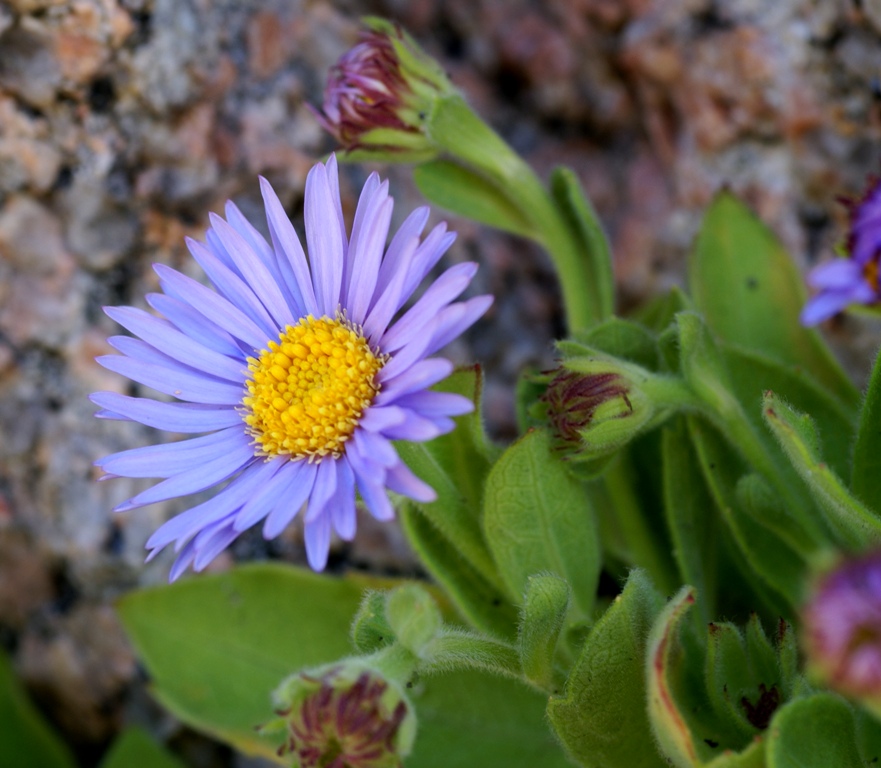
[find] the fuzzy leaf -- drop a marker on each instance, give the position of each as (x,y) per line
(663,663)
(538,519)
(593,244)
(370,629)
(466,193)
(455,465)
(622,338)
(768,556)
(751,374)
(751,293)
(866,472)
(601,718)
(687,507)
(814,732)
(752,757)
(483,605)
(541,620)
(856,524)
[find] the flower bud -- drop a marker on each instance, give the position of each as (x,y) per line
(842,629)
(379,94)
(344,715)
(595,406)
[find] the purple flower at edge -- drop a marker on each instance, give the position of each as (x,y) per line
(854,279)
(842,627)
(301,372)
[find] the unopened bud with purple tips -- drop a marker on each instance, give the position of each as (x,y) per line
(595,406)
(344,715)
(842,629)
(380,94)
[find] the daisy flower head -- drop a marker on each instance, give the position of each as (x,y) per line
(301,371)
(855,278)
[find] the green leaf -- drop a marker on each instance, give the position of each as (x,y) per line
(134,748)
(541,621)
(587,231)
(814,732)
(664,660)
(483,605)
(730,396)
(698,694)
(854,522)
(752,757)
(622,338)
(728,675)
(25,738)
(758,501)
(658,313)
(454,126)
(601,719)
(628,500)
(458,649)
(217,646)
(703,365)
(370,629)
(538,519)
(743,677)
(461,191)
(455,465)
(866,471)
(768,556)
(868,737)
(528,407)
(414,616)
(751,293)
(473,719)
(751,375)
(687,507)
(762,655)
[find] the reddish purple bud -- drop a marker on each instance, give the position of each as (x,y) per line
(573,399)
(842,628)
(594,406)
(364,90)
(379,94)
(344,715)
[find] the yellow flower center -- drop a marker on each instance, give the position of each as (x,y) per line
(308,390)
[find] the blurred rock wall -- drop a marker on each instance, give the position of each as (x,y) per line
(122,123)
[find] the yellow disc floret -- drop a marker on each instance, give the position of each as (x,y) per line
(307,391)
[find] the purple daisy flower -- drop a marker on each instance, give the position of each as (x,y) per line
(854,279)
(298,370)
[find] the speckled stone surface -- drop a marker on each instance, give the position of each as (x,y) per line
(122,124)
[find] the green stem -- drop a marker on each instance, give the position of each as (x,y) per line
(455,128)
(456,649)
(395,662)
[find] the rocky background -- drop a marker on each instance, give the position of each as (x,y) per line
(123,122)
